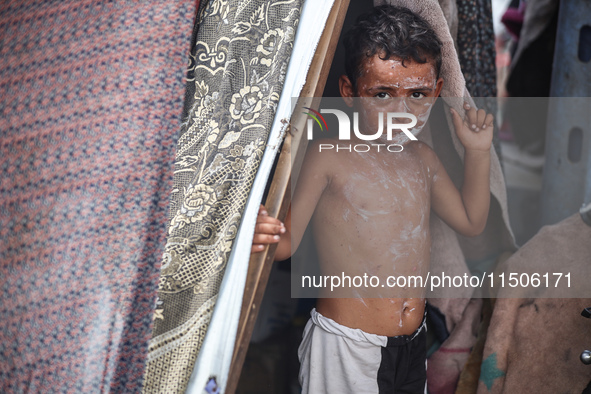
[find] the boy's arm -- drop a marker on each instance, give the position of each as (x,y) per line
(466,211)
(311,183)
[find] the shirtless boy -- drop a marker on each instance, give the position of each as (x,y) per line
(378,204)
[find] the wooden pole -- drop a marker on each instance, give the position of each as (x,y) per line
(279,197)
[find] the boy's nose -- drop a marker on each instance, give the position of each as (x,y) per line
(398,105)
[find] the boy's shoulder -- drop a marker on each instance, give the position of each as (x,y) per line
(425,153)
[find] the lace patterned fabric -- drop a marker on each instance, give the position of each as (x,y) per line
(237,70)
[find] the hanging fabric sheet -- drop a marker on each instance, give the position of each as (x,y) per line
(476,47)
(90,99)
(216,352)
(239,65)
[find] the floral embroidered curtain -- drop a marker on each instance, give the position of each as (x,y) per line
(238,67)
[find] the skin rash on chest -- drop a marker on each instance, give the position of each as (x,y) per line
(374,215)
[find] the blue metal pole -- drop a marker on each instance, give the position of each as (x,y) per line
(567,169)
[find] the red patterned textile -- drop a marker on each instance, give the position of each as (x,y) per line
(91,94)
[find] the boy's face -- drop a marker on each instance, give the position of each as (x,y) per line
(388,86)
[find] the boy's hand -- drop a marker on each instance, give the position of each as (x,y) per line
(476,130)
(267,231)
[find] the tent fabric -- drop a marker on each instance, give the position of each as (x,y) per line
(533,344)
(90,99)
(239,65)
(216,353)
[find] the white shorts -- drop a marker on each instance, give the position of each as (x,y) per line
(335,359)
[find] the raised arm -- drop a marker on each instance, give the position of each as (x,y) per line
(311,183)
(466,211)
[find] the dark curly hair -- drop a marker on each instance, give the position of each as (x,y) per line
(390,31)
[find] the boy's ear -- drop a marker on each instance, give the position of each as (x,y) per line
(438,87)
(347,90)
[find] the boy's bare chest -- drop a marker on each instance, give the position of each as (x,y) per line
(375,187)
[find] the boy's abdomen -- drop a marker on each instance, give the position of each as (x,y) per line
(388,317)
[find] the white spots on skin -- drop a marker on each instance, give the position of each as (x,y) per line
(351,191)
(422,118)
(357,295)
(405,185)
(364,217)
(366,214)
(406,230)
(397,249)
(346,213)
(400,139)
(391,198)
(409,84)
(416,232)
(409,242)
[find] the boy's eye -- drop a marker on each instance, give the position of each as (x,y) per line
(418,95)
(382,95)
